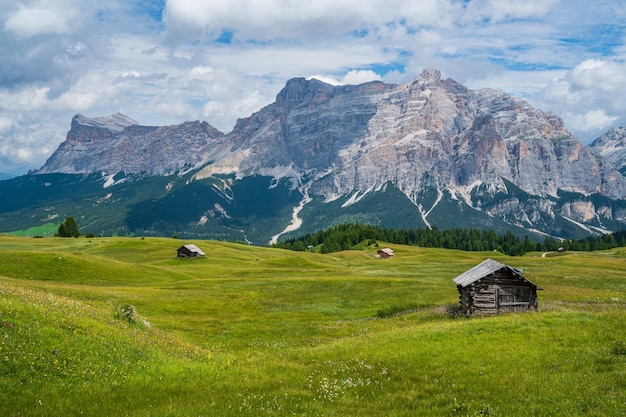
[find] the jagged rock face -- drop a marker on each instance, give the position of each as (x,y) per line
(304,130)
(458,139)
(430,132)
(119,144)
(612,146)
(431,137)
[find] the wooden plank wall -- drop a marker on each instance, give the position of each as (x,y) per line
(481,297)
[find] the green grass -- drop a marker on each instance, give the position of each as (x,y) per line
(258,331)
(48,229)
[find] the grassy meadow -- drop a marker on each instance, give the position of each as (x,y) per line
(121,327)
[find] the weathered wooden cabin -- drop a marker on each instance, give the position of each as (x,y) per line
(189,251)
(385,253)
(491,288)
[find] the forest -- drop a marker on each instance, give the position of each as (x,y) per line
(349,236)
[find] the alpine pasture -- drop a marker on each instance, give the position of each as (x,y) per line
(121,327)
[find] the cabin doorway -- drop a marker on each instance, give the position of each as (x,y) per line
(512,299)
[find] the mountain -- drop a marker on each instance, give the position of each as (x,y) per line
(119,144)
(612,146)
(428,153)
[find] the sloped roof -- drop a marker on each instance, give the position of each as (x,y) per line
(388,251)
(485,268)
(192,248)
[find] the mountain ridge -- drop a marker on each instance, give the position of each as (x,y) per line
(437,142)
(119,144)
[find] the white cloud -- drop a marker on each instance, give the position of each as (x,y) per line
(519,9)
(588,96)
(5,123)
(280,19)
(590,121)
(42,18)
(353,77)
(325,79)
(360,76)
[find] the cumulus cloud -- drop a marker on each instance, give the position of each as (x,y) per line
(588,96)
(279,19)
(593,120)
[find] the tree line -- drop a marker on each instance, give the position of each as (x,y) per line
(348,236)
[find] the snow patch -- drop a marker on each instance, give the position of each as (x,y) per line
(423,214)
(590,229)
(539,232)
(357,196)
(426,214)
(221,210)
(296,221)
(329,198)
(105,198)
(110,181)
(225,192)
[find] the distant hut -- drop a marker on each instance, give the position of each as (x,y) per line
(385,253)
(491,288)
(189,251)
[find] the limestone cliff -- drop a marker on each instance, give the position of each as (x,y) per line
(119,144)
(432,139)
(612,146)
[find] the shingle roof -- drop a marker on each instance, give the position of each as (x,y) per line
(194,249)
(483,269)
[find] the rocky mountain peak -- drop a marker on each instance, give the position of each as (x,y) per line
(118,143)
(115,122)
(429,76)
(301,90)
(612,146)
(613,138)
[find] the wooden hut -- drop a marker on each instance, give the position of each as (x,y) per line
(385,253)
(189,251)
(491,288)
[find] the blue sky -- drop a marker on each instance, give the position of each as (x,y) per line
(165,62)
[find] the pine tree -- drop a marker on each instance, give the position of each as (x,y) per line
(68,228)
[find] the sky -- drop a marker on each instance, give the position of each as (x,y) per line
(166,62)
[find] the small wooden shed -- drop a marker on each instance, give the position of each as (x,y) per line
(491,288)
(189,251)
(385,253)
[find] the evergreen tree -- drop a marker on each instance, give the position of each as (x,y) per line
(68,228)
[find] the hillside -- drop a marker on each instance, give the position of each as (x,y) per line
(260,331)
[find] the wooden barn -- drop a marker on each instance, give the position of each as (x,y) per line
(491,288)
(189,251)
(385,253)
